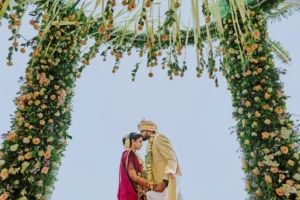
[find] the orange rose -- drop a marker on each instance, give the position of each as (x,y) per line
(257,88)
(268,179)
(50,121)
(258,192)
(279,94)
(256,34)
(45,170)
(255,171)
(265,135)
(259,70)
(290,182)
(278,110)
(42,122)
(47,154)
(267,95)
(291,163)
(36,141)
(11,136)
(260,164)
(266,106)
(257,114)
(4,173)
(27,156)
(53,97)
(279,192)
(40,115)
(4,196)
(284,149)
(274,170)
(248,103)
(281,176)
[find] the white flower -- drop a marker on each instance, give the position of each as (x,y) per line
(245,91)
(50,148)
(23,198)
(50,139)
(288,190)
(237,75)
(249,115)
(14,147)
(297,176)
(57,114)
(21,158)
(41,153)
(2,162)
(241,110)
(26,140)
(38,195)
(254,134)
(269,90)
(285,133)
(23,192)
(40,183)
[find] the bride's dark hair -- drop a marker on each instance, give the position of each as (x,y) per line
(131,136)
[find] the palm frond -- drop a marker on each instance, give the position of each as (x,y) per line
(283,12)
(280,52)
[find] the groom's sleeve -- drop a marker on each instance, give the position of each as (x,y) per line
(164,146)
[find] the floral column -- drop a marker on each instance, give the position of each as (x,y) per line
(31,152)
(264,128)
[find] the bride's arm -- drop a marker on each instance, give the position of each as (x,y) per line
(135,178)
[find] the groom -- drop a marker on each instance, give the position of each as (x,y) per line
(165,165)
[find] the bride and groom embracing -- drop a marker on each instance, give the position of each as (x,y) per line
(159,179)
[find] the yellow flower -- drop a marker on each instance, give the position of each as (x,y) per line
(291,163)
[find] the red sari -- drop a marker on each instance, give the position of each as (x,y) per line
(128,190)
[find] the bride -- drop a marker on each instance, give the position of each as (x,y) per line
(132,185)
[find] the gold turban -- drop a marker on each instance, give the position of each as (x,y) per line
(147,126)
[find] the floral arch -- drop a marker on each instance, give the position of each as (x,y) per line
(31,153)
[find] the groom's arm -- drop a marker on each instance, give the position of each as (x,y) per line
(164,146)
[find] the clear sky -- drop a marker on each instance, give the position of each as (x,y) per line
(193,113)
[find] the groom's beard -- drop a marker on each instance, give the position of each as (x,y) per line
(145,138)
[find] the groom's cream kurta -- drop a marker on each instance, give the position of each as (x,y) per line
(165,164)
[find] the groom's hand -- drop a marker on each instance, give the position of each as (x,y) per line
(160,187)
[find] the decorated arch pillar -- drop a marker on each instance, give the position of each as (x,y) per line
(268,141)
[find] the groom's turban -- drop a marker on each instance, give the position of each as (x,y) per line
(147,126)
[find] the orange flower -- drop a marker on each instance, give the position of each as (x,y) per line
(1,154)
(255,171)
(102,29)
(257,88)
(266,106)
(52,97)
(45,170)
(42,122)
(164,37)
(11,136)
(291,163)
(4,173)
(281,176)
(259,70)
(279,94)
(47,154)
(290,182)
(278,110)
(256,34)
(260,164)
(279,192)
(5,195)
(27,156)
(36,141)
(268,179)
(265,135)
(50,121)
(274,170)
(248,103)
(267,95)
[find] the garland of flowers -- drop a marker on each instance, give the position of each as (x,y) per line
(148,160)
(264,128)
